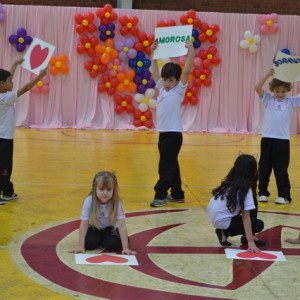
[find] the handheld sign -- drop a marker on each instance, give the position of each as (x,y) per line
(171,41)
(37,56)
(286,67)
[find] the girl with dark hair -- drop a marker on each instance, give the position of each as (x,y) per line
(233,207)
(102,217)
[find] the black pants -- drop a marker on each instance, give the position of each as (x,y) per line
(274,155)
(107,237)
(169,145)
(6,165)
(236,226)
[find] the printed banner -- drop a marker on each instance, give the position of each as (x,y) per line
(171,41)
(287,67)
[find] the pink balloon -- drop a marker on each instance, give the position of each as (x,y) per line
(263,19)
(274,17)
(274,28)
(197,61)
(264,29)
(45,89)
(35,89)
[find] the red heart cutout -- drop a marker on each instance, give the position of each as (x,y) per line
(106,258)
(38,56)
(262,255)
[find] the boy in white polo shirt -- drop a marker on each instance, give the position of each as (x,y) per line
(172,84)
(275,142)
(8,98)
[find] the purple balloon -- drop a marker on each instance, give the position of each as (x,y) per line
(122,56)
(138,79)
(27,40)
(119,45)
(129,42)
(21,32)
(151,83)
(13,39)
(111,26)
(102,28)
(141,89)
(147,74)
(131,53)
(20,47)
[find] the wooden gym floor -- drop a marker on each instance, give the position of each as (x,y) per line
(178,253)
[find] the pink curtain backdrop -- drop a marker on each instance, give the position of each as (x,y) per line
(228,105)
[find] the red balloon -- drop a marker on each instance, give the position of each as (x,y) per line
(138,47)
(160,23)
(193,100)
(171,23)
(79,28)
(203,54)
(119,109)
(212,50)
(100,13)
(216,60)
(101,88)
(137,114)
(110,91)
(213,38)
(194,90)
(118,99)
(148,124)
(80,49)
(78,18)
(202,37)
(94,41)
(215,28)
(91,28)
(191,13)
(129,108)
(204,26)
(207,82)
(128,98)
(107,7)
(91,52)
(148,114)
(206,63)
(183,19)
(123,20)
(134,30)
(137,123)
(206,72)
(124,30)
(88,65)
(84,39)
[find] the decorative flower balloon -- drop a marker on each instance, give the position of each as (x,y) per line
(146,101)
(106,14)
(191,95)
(95,67)
(209,57)
(108,85)
(126,82)
(84,22)
(59,65)
(268,23)
(128,25)
(209,33)
(2,13)
(202,77)
(169,23)
(189,18)
(87,45)
(107,51)
(250,42)
(195,38)
(126,49)
(107,31)
(144,81)
(42,85)
(144,42)
(140,63)
(21,39)
(143,119)
(123,104)
(114,67)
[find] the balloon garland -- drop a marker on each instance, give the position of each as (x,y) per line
(123,65)
(20,39)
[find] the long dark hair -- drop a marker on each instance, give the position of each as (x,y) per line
(235,186)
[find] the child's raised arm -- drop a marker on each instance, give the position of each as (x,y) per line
(32,83)
(259,86)
(189,62)
(14,66)
(154,67)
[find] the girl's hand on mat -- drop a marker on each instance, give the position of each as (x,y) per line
(76,251)
(127,251)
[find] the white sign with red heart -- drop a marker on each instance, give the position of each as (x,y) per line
(37,56)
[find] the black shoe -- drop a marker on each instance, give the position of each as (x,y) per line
(258,242)
(219,233)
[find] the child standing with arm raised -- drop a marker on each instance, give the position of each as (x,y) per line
(275,142)
(8,98)
(172,84)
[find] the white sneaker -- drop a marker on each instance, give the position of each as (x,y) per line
(263,198)
(281,200)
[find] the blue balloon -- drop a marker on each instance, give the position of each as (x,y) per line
(140,55)
(286,51)
(132,63)
(13,39)
(147,63)
(21,32)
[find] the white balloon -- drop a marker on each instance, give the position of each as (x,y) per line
(248,35)
(152,103)
(253,48)
(150,93)
(256,39)
(143,107)
(139,98)
(244,44)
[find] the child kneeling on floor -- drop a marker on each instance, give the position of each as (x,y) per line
(233,207)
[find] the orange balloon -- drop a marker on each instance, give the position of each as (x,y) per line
(63,58)
(121,77)
(64,69)
(53,60)
(130,74)
(120,88)
(53,70)
(100,49)
(109,43)
(114,53)
(105,58)
(131,87)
